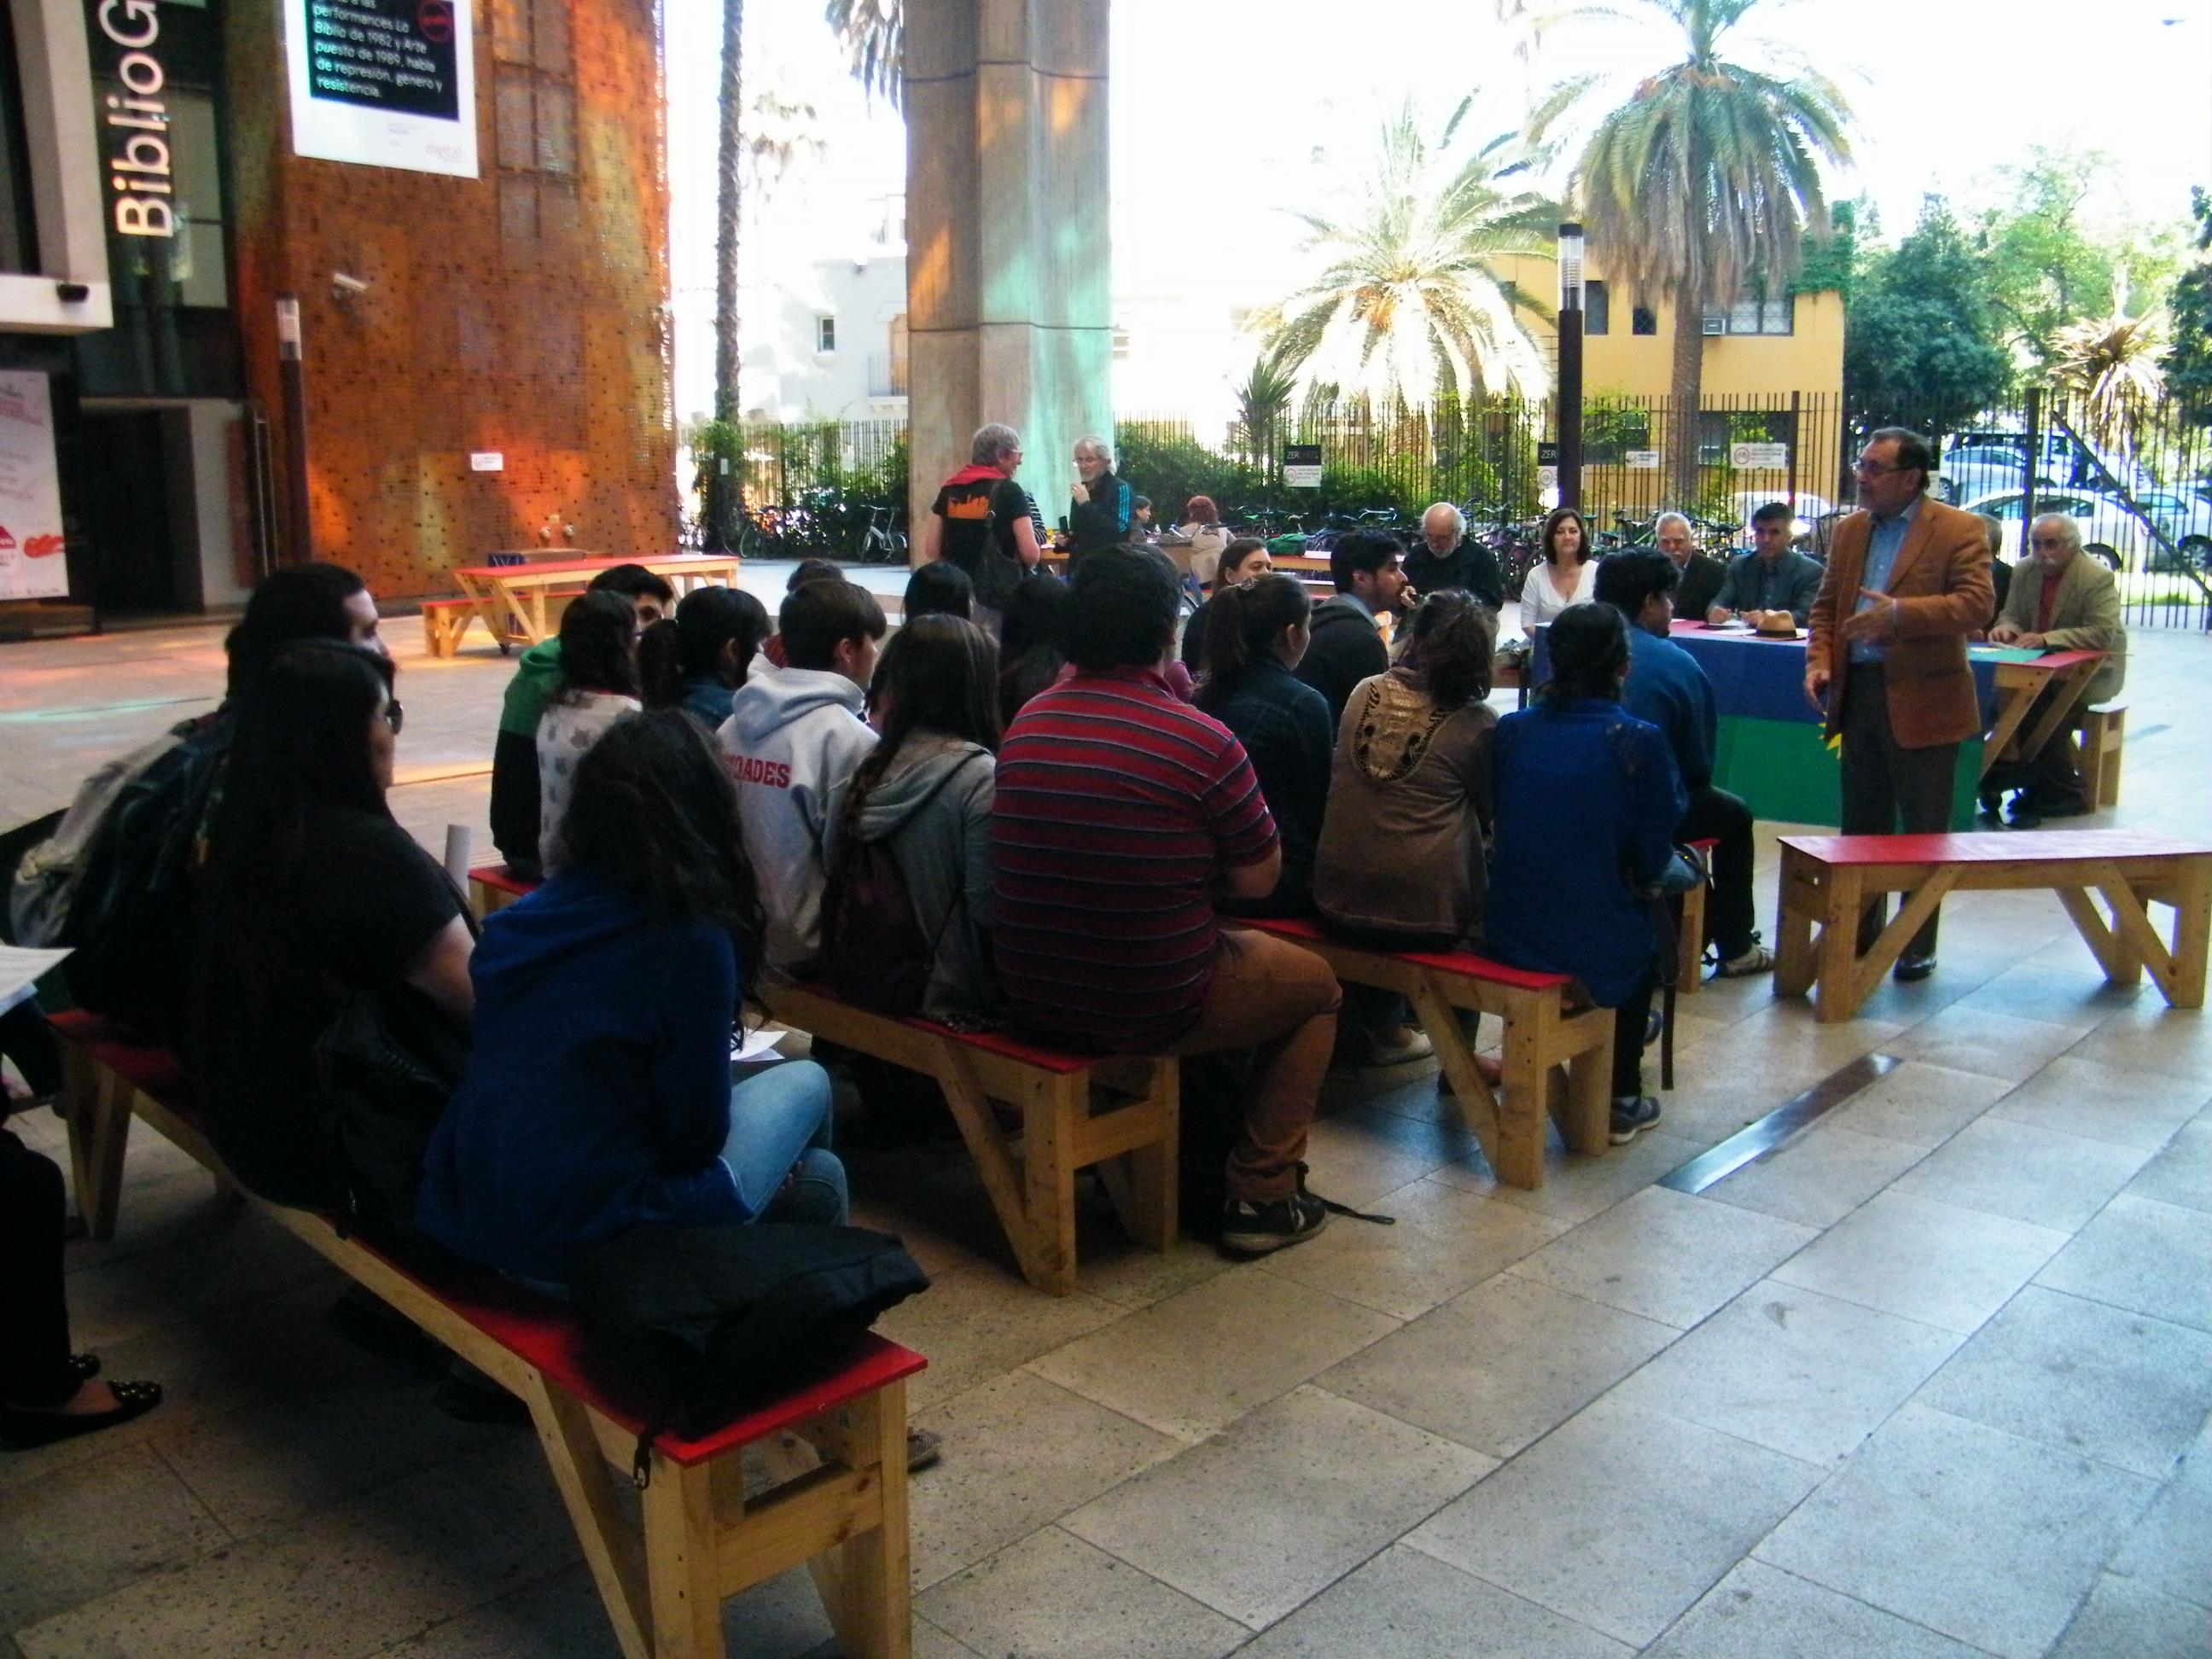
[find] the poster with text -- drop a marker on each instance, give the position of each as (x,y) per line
(31,565)
(383,83)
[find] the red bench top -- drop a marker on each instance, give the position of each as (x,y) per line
(536,1327)
(446,605)
(499,878)
(1450,962)
(656,562)
(2005,846)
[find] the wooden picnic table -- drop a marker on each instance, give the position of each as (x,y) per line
(2019,684)
(512,600)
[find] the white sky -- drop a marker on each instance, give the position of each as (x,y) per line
(1220,107)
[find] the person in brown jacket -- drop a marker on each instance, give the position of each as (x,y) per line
(1908,580)
(2060,601)
(1400,856)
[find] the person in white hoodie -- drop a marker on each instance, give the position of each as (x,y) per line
(795,735)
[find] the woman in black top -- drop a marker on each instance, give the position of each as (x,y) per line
(1259,633)
(313,894)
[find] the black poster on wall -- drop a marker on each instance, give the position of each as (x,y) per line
(393,55)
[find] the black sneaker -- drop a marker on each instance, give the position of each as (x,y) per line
(1249,1229)
(1631,1118)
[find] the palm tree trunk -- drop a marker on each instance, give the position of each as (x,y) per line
(729,153)
(1685,393)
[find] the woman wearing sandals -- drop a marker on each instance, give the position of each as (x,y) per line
(47,1392)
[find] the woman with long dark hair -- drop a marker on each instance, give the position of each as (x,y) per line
(926,791)
(1588,796)
(1565,575)
(599,686)
(695,659)
(311,894)
(1030,655)
(1257,635)
(599,1096)
(1401,855)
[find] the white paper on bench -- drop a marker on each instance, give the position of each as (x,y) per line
(20,969)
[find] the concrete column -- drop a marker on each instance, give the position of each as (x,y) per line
(1009,260)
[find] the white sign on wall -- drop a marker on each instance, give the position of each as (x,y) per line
(1643,460)
(1761,457)
(383,83)
(31,565)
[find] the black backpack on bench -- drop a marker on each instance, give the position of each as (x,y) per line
(709,1322)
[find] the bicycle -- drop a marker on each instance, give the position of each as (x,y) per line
(878,542)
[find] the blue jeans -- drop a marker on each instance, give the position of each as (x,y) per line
(779,1119)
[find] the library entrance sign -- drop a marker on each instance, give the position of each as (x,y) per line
(385,83)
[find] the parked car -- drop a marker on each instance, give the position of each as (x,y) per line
(1980,469)
(2109,533)
(1811,510)
(2186,520)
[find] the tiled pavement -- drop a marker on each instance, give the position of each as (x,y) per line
(1931,1379)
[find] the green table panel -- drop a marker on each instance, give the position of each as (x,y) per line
(1789,774)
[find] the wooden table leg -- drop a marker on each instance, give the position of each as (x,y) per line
(2013,703)
(1838,944)
(2192,932)
(681,1569)
(2067,688)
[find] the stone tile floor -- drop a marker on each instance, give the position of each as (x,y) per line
(1930,1379)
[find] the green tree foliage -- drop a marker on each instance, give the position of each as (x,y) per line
(2053,254)
(1699,179)
(1922,345)
(2188,357)
(1407,303)
(873,35)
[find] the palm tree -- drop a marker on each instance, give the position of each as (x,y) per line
(729,152)
(1409,304)
(1697,181)
(1261,401)
(874,34)
(2113,365)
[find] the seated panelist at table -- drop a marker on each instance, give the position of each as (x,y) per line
(1772,577)
(2061,601)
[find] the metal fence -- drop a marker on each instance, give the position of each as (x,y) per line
(2135,472)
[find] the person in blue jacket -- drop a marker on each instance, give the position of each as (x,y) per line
(697,658)
(599,1095)
(1587,798)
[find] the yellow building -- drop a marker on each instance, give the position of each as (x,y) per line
(1793,342)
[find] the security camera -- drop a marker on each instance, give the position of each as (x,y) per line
(342,283)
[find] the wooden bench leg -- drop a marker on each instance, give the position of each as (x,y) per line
(1008,1183)
(1145,1183)
(98,1134)
(866,1581)
(609,1541)
(1586,1124)
(1518,1158)
(1796,905)
(2192,934)
(680,1561)
(1049,1122)
(1865,972)
(1838,946)
(1690,943)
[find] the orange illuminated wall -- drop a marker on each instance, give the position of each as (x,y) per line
(522,312)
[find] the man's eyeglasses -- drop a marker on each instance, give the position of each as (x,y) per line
(1872,470)
(395,717)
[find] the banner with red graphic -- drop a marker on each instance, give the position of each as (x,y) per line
(31,562)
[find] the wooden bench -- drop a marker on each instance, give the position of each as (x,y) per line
(494,887)
(1116,1112)
(443,623)
(1826,881)
(1689,930)
(1557,1058)
(699,1535)
(2104,732)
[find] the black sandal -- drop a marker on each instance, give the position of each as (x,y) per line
(21,1430)
(84,1366)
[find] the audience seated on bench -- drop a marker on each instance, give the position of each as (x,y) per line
(697,658)
(516,790)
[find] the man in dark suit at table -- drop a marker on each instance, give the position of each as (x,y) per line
(1701,573)
(1908,580)
(1772,576)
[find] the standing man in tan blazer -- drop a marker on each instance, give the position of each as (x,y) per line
(2059,601)
(1908,579)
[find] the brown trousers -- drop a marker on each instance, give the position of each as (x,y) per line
(1269,995)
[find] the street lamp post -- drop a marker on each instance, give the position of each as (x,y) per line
(1570,365)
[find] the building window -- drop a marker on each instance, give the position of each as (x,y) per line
(1643,320)
(534,121)
(1597,308)
(1120,344)
(1754,315)
(898,356)
(826,334)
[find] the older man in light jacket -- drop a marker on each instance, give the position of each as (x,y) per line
(2060,601)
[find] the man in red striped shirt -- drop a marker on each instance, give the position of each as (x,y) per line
(1121,812)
